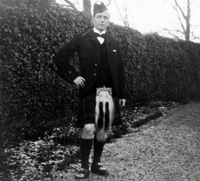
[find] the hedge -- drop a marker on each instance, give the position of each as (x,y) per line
(34,99)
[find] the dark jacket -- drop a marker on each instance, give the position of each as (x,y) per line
(86,45)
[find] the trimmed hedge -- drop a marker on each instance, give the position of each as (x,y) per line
(34,99)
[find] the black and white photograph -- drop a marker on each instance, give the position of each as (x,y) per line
(100,90)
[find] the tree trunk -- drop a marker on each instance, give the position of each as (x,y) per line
(187,19)
(186,16)
(87,7)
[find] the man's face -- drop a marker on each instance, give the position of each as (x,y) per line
(101,20)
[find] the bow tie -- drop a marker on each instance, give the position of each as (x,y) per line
(100,38)
(98,35)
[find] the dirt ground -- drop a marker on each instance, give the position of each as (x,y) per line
(166,151)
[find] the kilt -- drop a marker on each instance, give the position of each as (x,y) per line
(87,111)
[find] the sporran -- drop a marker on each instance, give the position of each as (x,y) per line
(104,113)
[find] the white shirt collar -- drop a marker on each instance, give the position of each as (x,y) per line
(97,31)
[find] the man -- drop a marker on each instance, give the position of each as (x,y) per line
(101,65)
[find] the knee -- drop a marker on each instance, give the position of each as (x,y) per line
(88,131)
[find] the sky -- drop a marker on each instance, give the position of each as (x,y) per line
(149,16)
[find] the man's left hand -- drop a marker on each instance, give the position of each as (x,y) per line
(122,102)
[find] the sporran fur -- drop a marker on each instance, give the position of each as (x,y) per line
(104,113)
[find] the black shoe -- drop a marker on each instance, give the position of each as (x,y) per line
(98,169)
(82,174)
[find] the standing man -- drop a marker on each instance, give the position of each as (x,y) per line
(101,65)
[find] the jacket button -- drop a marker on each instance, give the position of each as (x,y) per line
(95,65)
(95,74)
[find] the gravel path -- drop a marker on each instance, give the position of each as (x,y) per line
(168,151)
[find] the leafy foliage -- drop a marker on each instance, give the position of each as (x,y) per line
(46,158)
(34,98)
(43,158)
(160,69)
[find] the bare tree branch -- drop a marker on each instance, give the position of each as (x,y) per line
(179,7)
(179,18)
(171,33)
(183,18)
(109,2)
(124,19)
(71,5)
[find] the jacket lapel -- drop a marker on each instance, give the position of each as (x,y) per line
(109,47)
(91,37)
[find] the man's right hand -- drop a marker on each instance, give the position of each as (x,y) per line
(79,81)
